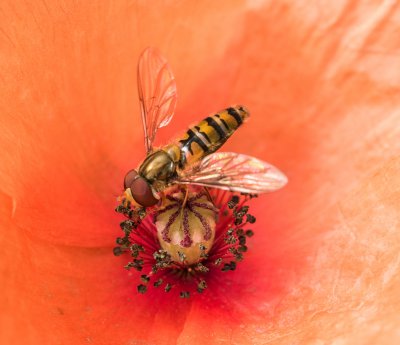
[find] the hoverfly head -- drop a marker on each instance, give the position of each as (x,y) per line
(140,189)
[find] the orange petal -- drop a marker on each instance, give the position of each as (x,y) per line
(321,82)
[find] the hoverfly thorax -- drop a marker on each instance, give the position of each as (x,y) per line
(158,168)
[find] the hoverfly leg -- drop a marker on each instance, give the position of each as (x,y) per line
(186,197)
(162,197)
(208,194)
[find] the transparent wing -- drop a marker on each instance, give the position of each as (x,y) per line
(234,172)
(157,93)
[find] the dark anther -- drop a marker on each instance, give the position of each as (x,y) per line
(127,225)
(163,260)
(136,249)
(238,256)
(201,286)
(126,211)
(240,232)
(251,219)
(136,263)
(230,239)
(242,249)
(200,267)
(249,233)
(144,278)
(240,213)
(117,251)
(120,241)
(229,267)
(184,294)
(142,288)
(168,287)
(158,282)
(238,220)
(120,209)
(233,202)
(242,240)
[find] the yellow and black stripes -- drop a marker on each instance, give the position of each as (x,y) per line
(195,136)
(210,134)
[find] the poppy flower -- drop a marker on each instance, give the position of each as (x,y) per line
(322,83)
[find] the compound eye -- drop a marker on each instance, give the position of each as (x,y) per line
(140,189)
(129,178)
(141,192)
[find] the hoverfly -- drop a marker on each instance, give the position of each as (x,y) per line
(192,158)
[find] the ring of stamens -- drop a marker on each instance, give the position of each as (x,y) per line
(142,240)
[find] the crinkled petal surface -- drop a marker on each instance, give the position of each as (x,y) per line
(321,79)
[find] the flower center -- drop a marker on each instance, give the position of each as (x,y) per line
(193,234)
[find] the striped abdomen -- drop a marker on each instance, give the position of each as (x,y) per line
(210,134)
